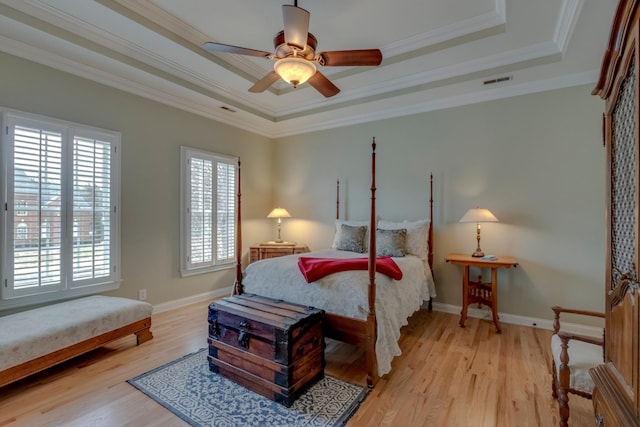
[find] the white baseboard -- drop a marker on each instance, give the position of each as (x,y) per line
(485,313)
(207,296)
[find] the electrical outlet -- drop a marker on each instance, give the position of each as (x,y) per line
(142,294)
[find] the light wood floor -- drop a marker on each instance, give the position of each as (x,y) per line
(447,376)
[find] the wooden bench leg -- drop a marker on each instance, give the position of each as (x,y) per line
(143,336)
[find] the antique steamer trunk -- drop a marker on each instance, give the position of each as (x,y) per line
(271,347)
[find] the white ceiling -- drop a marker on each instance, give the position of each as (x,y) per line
(437,53)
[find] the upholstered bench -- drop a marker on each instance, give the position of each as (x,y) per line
(36,339)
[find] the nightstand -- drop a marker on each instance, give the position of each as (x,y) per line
(477,291)
(273,250)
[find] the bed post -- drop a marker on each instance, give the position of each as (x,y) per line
(237,287)
(337,199)
(430,238)
(371,327)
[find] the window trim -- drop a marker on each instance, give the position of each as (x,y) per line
(68,289)
(187,153)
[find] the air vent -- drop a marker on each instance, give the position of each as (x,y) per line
(498,80)
(231,110)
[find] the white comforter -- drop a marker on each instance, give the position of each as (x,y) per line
(345,293)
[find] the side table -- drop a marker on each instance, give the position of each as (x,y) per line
(272,250)
(480,292)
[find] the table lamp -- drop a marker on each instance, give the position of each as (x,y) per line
(478,215)
(279,213)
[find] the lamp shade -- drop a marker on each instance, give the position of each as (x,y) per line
(279,213)
(478,215)
(294,70)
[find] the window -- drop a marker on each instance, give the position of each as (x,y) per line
(64,241)
(21,208)
(208,211)
(22,231)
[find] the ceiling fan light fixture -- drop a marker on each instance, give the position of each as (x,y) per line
(294,70)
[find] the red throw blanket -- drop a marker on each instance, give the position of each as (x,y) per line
(316,268)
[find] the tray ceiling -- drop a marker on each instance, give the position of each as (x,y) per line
(437,53)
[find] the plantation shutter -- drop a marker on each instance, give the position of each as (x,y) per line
(201,211)
(226,221)
(92,225)
(36,190)
(209,209)
(60,228)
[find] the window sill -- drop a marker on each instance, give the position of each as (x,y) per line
(51,297)
(195,272)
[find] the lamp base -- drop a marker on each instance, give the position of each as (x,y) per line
(478,253)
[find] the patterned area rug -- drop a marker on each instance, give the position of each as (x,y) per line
(188,389)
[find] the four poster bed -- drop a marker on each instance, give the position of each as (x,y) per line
(363,308)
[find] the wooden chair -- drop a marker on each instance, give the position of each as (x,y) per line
(573,356)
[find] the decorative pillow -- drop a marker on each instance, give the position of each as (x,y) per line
(417,235)
(391,242)
(351,238)
(338,236)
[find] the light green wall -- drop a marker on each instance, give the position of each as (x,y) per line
(536,161)
(152,134)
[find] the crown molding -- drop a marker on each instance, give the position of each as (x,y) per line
(393,86)
(449,32)
(567,19)
(280,129)
(210,109)
(198,94)
(512,90)
(176,26)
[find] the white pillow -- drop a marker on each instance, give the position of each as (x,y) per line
(417,235)
(337,238)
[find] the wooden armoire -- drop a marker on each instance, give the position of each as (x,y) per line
(616,398)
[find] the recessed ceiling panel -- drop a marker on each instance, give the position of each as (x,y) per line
(436,52)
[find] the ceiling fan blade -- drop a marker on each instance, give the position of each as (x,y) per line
(227,48)
(296,25)
(323,85)
(350,57)
(264,83)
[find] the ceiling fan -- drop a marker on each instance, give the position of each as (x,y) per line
(295,55)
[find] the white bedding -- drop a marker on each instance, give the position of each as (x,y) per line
(345,293)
